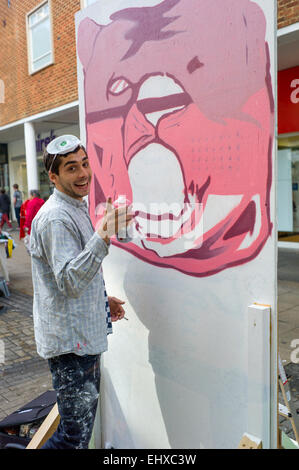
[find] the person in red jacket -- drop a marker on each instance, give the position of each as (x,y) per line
(23,218)
(32,208)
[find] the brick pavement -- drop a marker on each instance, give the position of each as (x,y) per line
(24,375)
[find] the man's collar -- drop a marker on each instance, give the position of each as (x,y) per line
(71,200)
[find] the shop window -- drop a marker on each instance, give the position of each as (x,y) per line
(39,30)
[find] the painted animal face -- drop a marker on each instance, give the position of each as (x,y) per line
(179,118)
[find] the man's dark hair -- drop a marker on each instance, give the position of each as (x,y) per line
(16,186)
(48,159)
(2,191)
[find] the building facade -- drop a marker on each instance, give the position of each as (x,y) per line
(38,86)
(288,12)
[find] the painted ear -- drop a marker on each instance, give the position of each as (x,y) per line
(87,34)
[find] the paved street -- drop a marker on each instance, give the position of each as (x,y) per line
(25,375)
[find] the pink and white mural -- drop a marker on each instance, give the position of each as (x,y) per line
(177,111)
(177,116)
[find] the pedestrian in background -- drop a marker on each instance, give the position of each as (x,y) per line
(17,202)
(23,218)
(32,208)
(5,209)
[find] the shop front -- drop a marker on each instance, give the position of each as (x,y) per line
(22,145)
(18,166)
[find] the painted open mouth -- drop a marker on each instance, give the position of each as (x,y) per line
(166,220)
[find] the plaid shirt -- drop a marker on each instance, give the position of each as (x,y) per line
(70,306)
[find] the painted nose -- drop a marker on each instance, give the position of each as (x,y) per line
(159,95)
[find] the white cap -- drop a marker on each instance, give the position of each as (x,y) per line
(63,144)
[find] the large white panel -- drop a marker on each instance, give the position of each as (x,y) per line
(173,101)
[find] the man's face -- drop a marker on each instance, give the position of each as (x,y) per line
(74,175)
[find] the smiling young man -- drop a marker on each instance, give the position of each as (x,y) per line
(71,310)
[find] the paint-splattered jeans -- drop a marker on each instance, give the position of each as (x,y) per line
(76,380)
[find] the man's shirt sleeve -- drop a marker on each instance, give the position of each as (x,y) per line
(73,267)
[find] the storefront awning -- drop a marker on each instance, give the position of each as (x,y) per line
(57,118)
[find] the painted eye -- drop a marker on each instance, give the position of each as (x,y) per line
(118,86)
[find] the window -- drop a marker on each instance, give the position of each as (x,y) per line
(39,38)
